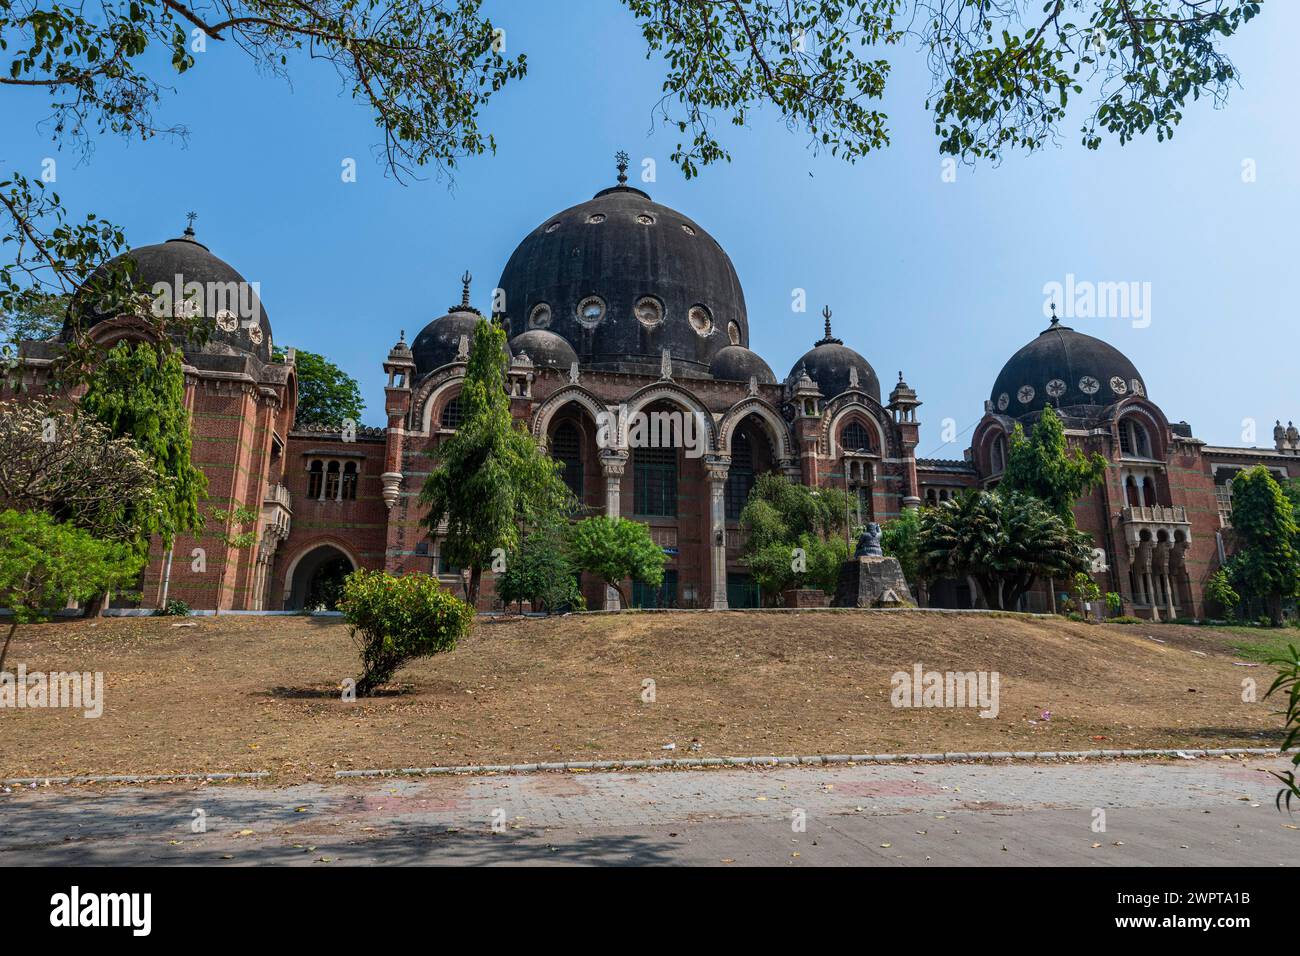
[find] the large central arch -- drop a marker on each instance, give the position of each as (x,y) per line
(314,575)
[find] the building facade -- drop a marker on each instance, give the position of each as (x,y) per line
(626,324)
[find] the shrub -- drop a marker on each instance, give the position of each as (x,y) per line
(1126,619)
(173,608)
(615,549)
(394,620)
(1220,592)
(1114,602)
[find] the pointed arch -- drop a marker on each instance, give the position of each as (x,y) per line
(778,430)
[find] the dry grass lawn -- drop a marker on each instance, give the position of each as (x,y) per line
(243,693)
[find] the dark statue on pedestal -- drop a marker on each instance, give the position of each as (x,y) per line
(871,579)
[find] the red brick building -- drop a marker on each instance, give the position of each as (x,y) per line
(629,361)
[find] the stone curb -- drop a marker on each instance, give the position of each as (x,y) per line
(135,778)
(689,762)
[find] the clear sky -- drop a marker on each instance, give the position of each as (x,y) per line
(942,280)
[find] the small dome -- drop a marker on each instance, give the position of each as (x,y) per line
(544,348)
(438,343)
(1064,368)
(736,363)
(239,322)
(836,368)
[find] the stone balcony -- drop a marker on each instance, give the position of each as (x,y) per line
(277,510)
(1154,519)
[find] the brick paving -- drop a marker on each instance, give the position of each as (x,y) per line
(1196,812)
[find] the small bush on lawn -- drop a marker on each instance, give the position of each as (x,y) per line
(1125,619)
(174,608)
(394,620)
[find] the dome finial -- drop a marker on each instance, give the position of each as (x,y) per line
(465,280)
(828,338)
(1055,320)
(621,160)
(189,223)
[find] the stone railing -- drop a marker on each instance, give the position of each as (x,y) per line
(1155,514)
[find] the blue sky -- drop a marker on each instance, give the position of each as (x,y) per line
(942,280)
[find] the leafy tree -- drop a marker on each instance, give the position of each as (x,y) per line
(793,534)
(1086,590)
(615,549)
(35,318)
(901,539)
(489,479)
(139,393)
(394,620)
(1041,465)
(1004,541)
(1288,681)
(326,394)
(72,468)
(1002,77)
(45,564)
(1266,564)
(541,572)
(1219,590)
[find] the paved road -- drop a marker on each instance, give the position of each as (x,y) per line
(1194,813)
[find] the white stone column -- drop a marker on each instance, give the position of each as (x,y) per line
(613,462)
(717,471)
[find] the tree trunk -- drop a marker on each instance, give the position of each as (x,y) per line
(475,579)
(4,652)
(622,598)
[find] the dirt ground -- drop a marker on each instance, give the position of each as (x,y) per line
(244,693)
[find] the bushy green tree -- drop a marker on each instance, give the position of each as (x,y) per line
(489,479)
(326,394)
(1266,564)
(138,391)
(73,469)
(1004,541)
(1043,466)
(1219,590)
(45,564)
(394,620)
(901,539)
(541,572)
(615,549)
(794,535)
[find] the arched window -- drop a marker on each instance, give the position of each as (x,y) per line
(315,479)
(655,478)
(855,438)
(1134,439)
(740,477)
(350,481)
(999,454)
(332,480)
(566,448)
(451,413)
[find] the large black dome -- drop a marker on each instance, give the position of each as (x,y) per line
(1064,368)
(178,262)
(621,278)
(438,343)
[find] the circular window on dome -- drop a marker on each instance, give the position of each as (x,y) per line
(227,321)
(596,217)
(1056,388)
(1118,385)
(701,320)
(1136,387)
(688,230)
(591,310)
(552,227)
(649,311)
(733,332)
(1003,401)
(540,317)
(646,219)
(1026,394)
(255,334)
(1089,385)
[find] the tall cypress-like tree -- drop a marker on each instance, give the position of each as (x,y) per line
(1041,465)
(138,391)
(1266,564)
(489,479)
